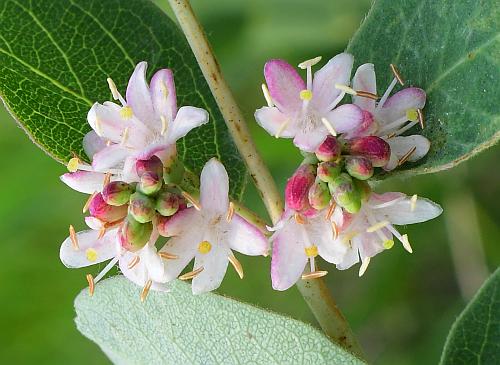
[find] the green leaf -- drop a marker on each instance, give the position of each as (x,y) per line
(181,328)
(475,337)
(452,50)
(55,57)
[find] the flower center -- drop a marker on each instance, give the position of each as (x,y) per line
(126,112)
(204,247)
(311,251)
(91,254)
(306,95)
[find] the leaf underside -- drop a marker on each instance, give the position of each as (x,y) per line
(181,328)
(55,57)
(475,336)
(451,49)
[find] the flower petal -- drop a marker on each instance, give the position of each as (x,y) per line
(370,244)
(214,188)
(289,258)
(350,258)
(139,97)
(153,262)
(87,182)
(111,156)
(275,122)
(244,237)
(182,223)
(321,233)
(163,95)
(188,117)
(401,211)
(285,85)
(396,106)
(214,265)
(336,71)
(185,247)
(309,141)
(92,144)
(402,145)
(364,80)
(345,118)
(91,250)
(139,274)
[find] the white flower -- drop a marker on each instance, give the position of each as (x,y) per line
(371,230)
(210,234)
(308,112)
(390,117)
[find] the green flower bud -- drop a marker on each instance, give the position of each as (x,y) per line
(345,193)
(167,203)
(150,183)
(359,167)
(328,171)
(142,207)
(134,235)
(364,189)
(117,193)
(319,195)
(173,171)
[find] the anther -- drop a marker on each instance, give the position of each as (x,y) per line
(164,89)
(407,155)
(364,266)
(164,125)
(299,218)
(145,290)
(267,96)
(329,214)
(366,94)
(346,89)
(329,126)
(309,63)
(230,212)
(168,256)
(102,232)
(236,264)
(377,226)
(406,243)
(87,203)
(73,237)
(107,180)
(397,75)
(413,202)
(73,164)
(133,262)
(90,280)
(192,200)
(112,87)
(335,230)
(281,128)
(124,136)
(421,118)
(192,274)
(314,275)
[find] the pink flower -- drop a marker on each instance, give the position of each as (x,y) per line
(390,117)
(208,233)
(307,111)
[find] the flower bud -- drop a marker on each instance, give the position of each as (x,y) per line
(142,207)
(98,208)
(150,183)
(134,235)
(328,171)
(363,188)
(297,188)
(167,203)
(359,167)
(319,195)
(374,148)
(173,171)
(345,193)
(329,150)
(117,193)
(152,165)
(162,225)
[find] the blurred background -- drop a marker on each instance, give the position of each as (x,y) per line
(401,309)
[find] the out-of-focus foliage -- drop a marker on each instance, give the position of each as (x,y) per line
(401,309)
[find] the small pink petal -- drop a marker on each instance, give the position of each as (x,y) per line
(91,249)
(364,80)
(214,265)
(397,105)
(92,144)
(346,118)
(275,122)
(214,188)
(244,237)
(163,94)
(87,182)
(110,157)
(185,247)
(285,85)
(309,141)
(188,118)
(402,145)
(139,97)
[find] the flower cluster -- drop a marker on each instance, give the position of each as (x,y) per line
(331,210)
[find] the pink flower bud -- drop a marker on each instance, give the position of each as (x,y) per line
(142,207)
(329,150)
(297,188)
(359,167)
(150,183)
(328,171)
(167,203)
(374,148)
(319,195)
(117,193)
(134,235)
(162,225)
(98,208)
(152,165)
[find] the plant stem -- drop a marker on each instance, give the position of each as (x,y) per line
(315,292)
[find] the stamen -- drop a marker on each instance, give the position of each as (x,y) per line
(377,226)
(336,101)
(98,127)
(108,143)
(314,275)
(299,218)
(364,266)
(230,212)
(397,75)
(168,256)
(282,128)
(204,247)
(106,269)
(133,262)
(192,200)
(404,129)
(113,88)
(124,136)
(267,96)
(392,135)
(329,214)
(346,89)
(406,243)
(413,202)
(311,251)
(126,112)
(388,204)
(309,63)
(164,89)
(421,118)
(335,230)
(107,179)
(236,264)
(387,93)
(87,203)
(73,237)
(366,94)
(145,290)
(90,280)
(164,125)
(192,274)
(73,164)
(306,95)
(329,126)
(349,236)
(102,232)
(407,155)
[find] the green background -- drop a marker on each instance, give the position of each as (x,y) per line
(401,309)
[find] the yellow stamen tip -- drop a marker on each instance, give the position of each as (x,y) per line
(126,112)
(91,254)
(311,251)
(388,244)
(73,164)
(306,95)
(204,247)
(412,115)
